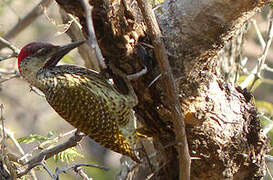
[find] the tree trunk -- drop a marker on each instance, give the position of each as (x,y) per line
(223,130)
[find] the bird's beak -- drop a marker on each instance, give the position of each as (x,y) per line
(61,51)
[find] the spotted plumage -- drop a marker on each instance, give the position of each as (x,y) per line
(83,98)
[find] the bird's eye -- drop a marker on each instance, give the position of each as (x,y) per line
(43,51)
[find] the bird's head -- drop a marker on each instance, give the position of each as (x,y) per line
(37,55)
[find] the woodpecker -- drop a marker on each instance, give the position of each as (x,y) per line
(84,98)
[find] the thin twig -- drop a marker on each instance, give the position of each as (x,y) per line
(64,27)
(169,87)
(92,42)
(36,91)
(266,67)
(147,157)
(153,81)
(150,176)
(2,58)
(261,60)
(6,43)
(56,139)
(3,131)
(81,173)
(268,171)
(71,142)
(256,72)
(138,74)
(4,71)
(41,146)
(76,34)
(11,136)
(267,46)
(259,34)
(27,20)
(268,158)
(3,143)
(7,79)
(77,169)
(5,158)
(74,166)
(47,170)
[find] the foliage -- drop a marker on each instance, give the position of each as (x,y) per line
(67,155)
(32,138)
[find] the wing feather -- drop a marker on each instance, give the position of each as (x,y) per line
(92,105)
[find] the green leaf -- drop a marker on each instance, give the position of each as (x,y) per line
(50,134)
(32,138)
(67,155)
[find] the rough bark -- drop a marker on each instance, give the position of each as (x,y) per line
(223,130)
(4,174)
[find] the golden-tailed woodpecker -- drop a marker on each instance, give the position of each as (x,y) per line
(84,98)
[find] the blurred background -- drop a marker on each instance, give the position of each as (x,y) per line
(27,113)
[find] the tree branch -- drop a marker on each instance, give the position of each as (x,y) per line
(71,142)
(169,87)
(92,42)
(197,31)
(76,34)
(77,166)
(28,19)
(6,43)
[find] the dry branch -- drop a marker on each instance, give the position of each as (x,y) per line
(75,33)
(76,167)
(6,43)
(169,87)
(92,41)
(28,19)
(71,142)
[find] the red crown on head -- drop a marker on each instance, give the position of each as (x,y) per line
(30,49)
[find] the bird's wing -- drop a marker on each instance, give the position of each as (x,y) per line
(84,103)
